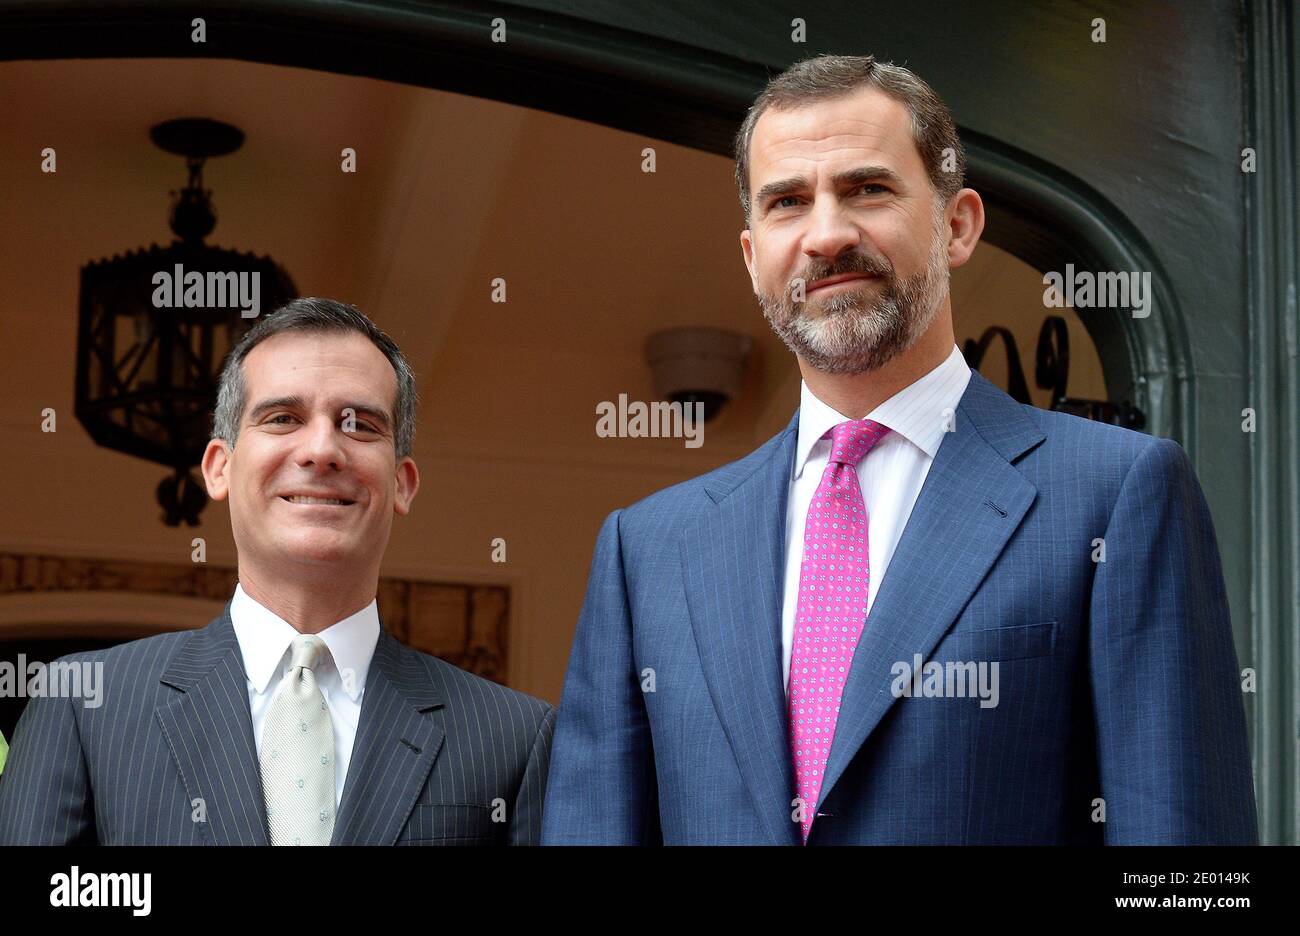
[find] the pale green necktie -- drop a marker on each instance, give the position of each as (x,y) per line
(298,753)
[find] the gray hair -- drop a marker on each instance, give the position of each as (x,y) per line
(313,315)
(825,77)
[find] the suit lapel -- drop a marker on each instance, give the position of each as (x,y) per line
(209,730)
(972,501)
(733,561)
(398,739)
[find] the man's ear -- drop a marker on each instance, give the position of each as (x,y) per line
(216,465)
(747,249)
(408,482)
(965,227)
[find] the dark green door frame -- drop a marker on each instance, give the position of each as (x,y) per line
(1272,102)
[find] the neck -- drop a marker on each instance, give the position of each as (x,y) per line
(309,605)
(856,395)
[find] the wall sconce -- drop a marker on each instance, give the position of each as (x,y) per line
(698,365)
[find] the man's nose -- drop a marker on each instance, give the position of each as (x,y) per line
(322,444)
(830,231)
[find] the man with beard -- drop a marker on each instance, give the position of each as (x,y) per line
(923,613)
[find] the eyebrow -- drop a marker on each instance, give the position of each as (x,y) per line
(369,410)
(846,179)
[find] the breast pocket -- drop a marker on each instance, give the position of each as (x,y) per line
(451,824)
(1000,644)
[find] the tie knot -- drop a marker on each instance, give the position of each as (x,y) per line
(307,651)
(850,441)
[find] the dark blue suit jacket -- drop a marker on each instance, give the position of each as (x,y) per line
(1118,681)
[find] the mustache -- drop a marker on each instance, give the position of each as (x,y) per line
(855,262)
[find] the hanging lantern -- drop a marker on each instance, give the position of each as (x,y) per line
(157,324)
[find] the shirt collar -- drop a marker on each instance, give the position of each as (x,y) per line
(915,413)
(264,639)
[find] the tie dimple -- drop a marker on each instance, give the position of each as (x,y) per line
(850,441)
(834,578)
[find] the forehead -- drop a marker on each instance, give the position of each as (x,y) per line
(324,364)
(864,126)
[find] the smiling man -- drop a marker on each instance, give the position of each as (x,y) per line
(293,718)
(756,658)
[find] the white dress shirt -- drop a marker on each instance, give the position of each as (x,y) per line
(265,640)
(890,475)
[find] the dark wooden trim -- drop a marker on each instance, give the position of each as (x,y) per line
(464,624)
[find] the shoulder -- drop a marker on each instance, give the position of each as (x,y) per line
(130,663)
(684,500)
(1102,464)
(107,693)
(1086,440)
(1056,446)
(466,691)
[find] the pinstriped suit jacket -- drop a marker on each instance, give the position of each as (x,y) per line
(168,757)
(1118,681)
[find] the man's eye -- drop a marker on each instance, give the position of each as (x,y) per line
(871,185)
(278,417)
(780,202)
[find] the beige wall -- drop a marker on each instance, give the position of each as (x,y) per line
(451,192)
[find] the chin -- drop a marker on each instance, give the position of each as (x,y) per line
(312,547)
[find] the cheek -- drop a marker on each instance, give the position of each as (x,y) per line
(258,460)
(777,261)
(253,481)
(906,242)
(378,480)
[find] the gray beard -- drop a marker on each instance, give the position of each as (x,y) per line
(854,332)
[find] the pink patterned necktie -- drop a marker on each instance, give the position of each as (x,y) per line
(832,609)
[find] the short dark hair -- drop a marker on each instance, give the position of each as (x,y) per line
(825,77)
(313,314)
